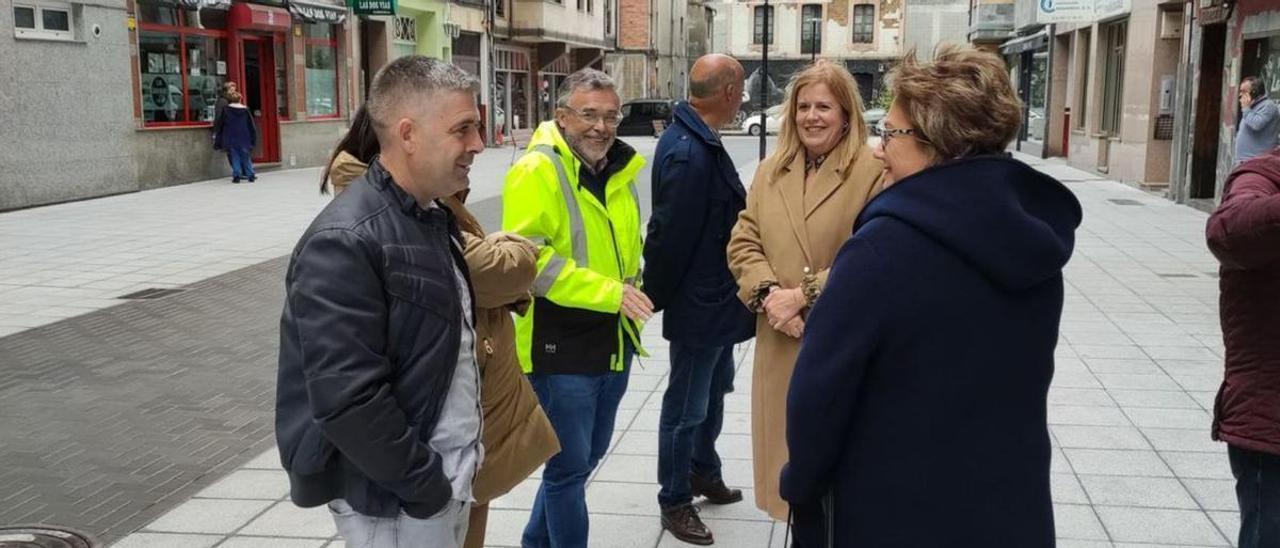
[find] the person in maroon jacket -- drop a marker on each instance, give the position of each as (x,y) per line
(1244,234)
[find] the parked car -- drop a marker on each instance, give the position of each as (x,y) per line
(639,115)
(872,118)
(772,123)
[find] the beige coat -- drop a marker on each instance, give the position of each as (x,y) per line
(785,228)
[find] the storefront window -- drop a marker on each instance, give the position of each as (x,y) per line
(322,70)
(183,64)
(282,81)
(1038,74)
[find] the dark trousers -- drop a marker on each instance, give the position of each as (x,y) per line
(582,409)
(692,415)
(1258,491)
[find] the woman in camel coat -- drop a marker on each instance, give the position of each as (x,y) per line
(517,436)
(800,209)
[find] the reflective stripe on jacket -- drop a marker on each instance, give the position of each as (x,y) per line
(587,252)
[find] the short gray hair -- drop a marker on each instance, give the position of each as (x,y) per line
(411,77)
(589,79)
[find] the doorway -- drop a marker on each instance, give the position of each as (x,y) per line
(258,55)
(1204,150)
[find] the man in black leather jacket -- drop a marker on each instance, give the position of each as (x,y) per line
(377,411)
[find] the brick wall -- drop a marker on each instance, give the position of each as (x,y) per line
(633,24)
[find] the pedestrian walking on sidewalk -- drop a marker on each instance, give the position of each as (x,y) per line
(1244,234)
(1259,131)
(916,415)
(378,410)
(800,208)
(696,200)
(218,107)
(237,134)
(574,193)
(516,434)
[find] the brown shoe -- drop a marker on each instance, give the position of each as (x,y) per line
(684,524)
(715,491)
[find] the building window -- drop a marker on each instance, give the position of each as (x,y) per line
(761,13)
(864,24)
(1082,78)
(46,20)
(1113,77)
(500,8)
(811,28)
(322,70)
(608,17)
(182,60)
(591,6)
(581,4)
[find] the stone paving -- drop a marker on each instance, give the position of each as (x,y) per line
(1139,362)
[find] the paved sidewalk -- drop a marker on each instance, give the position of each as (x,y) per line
(1139,361)
(182,387)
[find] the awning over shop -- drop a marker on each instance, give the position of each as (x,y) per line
(1032,42)
(191,4)
(317,12)
(246,16)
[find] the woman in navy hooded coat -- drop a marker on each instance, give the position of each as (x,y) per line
(916,416)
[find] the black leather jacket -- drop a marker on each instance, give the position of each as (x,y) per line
(368,346)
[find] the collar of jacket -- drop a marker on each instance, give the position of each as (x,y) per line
(381,179)
(621,157)
(689,118)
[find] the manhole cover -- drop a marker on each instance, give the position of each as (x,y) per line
(37,536)
(151,293)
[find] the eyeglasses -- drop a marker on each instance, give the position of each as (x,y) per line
(888,133)
(611,119)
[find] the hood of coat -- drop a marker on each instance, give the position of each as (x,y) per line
(1012,223)
(344,169)
(1266,165)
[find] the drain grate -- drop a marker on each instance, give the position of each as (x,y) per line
(38,536)
(150,293)
(1124,202)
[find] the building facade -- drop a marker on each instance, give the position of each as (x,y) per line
(143,76)
(652,55)
(1226,41)
(930,23)
(865,35)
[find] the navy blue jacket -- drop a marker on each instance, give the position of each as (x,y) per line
(235,129)
(918,404)
(697,196)
(369,343)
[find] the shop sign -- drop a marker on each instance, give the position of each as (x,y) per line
(373,7)
(1079,11)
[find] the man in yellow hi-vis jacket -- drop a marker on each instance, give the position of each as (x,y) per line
(574,194)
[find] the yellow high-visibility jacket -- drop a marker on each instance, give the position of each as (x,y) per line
(587,251)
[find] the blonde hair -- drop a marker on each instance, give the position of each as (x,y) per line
(845,90)
(234,97)
(962,103)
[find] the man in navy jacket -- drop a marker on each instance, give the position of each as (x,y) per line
(696,199)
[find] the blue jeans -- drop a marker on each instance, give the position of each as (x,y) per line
(582,409)
(1258,492)
(692,415)
(241,164)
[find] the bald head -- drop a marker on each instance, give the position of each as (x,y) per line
(711,73)
(715,88)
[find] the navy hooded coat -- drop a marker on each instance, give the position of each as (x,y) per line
(917,411)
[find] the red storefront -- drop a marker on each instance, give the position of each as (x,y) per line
(187,49)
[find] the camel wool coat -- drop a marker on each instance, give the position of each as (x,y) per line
(785,229)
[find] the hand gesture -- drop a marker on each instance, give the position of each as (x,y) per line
(635,304)
(794,328)
(1246,100)
(782,305)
